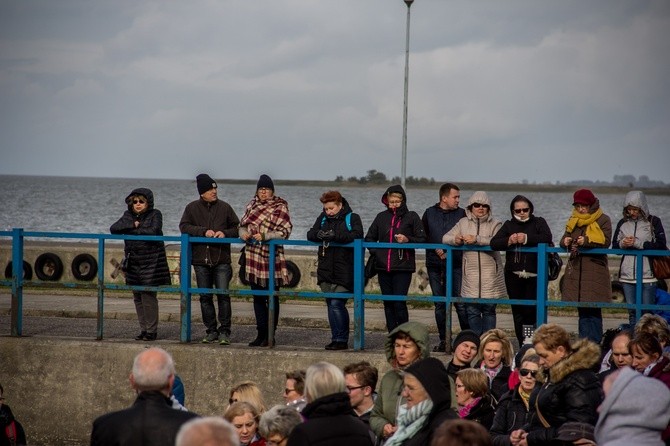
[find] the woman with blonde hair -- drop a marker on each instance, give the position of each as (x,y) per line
(249,392)
(244,417)
(495,357)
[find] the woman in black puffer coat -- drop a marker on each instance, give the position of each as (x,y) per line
(146,260)
(395,266)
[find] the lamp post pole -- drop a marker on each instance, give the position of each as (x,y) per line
(403,169)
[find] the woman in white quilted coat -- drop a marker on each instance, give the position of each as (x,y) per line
(482,271)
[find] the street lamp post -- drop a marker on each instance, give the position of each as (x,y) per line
(403,169)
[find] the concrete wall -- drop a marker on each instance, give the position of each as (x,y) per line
(57,387)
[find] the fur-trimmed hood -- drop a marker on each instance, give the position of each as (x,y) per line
(585,355)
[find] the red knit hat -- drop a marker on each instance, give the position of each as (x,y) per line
(584,196)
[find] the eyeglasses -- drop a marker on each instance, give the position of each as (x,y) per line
(232,400)
(287,391)
(136,201)
(526,372)
(521,210)
(352,388)
(274,442)
(479,205)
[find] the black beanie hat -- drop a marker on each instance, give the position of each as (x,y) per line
(466,335)
(265,181)
(205,183)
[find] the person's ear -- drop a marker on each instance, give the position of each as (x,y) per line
(560,349)
(131,378)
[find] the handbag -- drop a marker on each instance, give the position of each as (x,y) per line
(554,265)
(661,267)
(371,267)
(124,262)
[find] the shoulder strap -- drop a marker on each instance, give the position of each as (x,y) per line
(347,220)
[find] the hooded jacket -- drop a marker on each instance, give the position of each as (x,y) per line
(537,231)
(386,404)
(482,271)
(200,216)
(648,232)
(386,225)
(572,392)
(433,376)
(635,411)
(336,264)
(147,261)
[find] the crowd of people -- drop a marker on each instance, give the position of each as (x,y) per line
(556,390)
(475,273)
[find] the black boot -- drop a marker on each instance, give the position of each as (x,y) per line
(260,341)
(141,336)
(150,336)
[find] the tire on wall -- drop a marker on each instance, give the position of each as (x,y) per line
(617,293)
(84,267)
(27,271)
(294,274)
(48,267)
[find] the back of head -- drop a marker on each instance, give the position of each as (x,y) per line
(323,378)
(279,420)
(152,370)
(248,391)
(461,433)
(208,431)
(552,336)
(655,325)
(298,376)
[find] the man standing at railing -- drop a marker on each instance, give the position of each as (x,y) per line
(437,221)
(210,217)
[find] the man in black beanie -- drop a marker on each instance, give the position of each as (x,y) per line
(210,217)
(465,347)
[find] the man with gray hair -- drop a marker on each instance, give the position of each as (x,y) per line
(208,431)
(151,420)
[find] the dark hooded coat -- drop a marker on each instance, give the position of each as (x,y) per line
(386,225)
(147,262)
(336,264)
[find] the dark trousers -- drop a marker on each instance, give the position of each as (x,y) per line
(591,324)
(146,307)
(262,311)
(437,278)
(395,283)
(526,289)
(216,276)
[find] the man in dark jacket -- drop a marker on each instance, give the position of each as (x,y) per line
(151,420)
(437,221)
(213,218)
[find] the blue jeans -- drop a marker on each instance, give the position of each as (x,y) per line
(338,315)
(437,279)
(648,297)
(262,310)
(395,283)
(216,276)
(591,324)
(482,317)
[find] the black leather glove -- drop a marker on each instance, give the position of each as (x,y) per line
(326,236)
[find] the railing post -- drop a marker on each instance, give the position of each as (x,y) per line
(359,288)
(185,289)
(449,295)
(17,282)
(271,295)
(542,283)
(639,277)
(101,288)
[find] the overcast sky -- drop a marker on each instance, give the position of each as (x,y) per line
(499,90)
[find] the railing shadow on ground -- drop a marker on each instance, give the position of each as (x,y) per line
(358,294)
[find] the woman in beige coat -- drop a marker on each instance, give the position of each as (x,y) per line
(482,271)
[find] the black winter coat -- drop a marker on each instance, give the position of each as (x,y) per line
(150,421)
(147,262)
(437,222)
(511,415)
(536,229)
(336,264)
(500,384)
(330,421)
(483,412)
(200,216)
(572,393)
(389,223)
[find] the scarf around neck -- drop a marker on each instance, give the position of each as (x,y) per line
(465,410)
(410,422)
(594,233)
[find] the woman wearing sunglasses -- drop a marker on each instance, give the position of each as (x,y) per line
(514,408)
(482,271)
(523,230)
(145,261)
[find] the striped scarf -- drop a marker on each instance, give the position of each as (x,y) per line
(264,217)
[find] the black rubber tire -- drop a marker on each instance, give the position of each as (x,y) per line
(294,274)
(48,267)
(617,293)
(84,267)
(241,276)
(27,271)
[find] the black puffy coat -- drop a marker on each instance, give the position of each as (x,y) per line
(336,264)
(330,421)
(511,415)
(386,225)
(571,393)
(147,262)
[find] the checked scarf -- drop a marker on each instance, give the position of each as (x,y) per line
(593,232)
(266,217)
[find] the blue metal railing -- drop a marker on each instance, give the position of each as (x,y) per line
(358,294)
